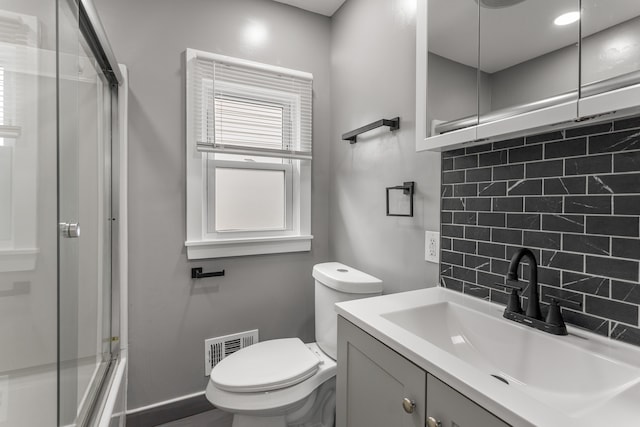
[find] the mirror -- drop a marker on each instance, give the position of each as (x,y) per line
(522,60)
(610,45)
(452,64)
(528,55)
(499,58)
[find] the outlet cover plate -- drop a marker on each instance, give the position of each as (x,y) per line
(432,246)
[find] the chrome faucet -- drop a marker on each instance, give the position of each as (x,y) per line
(554,323)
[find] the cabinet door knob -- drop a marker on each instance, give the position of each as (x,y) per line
(432,422)
(408,405)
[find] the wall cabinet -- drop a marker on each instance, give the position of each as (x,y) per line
(377,387)
(493,68)
(610,56)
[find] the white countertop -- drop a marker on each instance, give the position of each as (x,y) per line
(620,407)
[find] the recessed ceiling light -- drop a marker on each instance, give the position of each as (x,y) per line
(567,18)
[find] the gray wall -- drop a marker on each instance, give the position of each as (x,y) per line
(373,76)
(170,314)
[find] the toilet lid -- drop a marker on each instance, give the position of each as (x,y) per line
(268,365)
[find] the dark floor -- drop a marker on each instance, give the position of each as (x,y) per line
(213,418)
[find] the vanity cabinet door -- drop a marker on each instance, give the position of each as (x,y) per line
(452,409)
(610,56)
(529,64)
(373,381)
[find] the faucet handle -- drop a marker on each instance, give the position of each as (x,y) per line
(565,302)
(554,316)
(512,284)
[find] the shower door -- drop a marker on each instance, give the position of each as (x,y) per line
(56,121)
(28,228)
(84,219)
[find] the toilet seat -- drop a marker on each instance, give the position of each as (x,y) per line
(266,366)
(274,401)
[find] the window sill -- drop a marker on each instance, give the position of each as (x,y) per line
(11,132)
(250,246)
(18,260)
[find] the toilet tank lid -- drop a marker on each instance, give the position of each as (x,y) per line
(346,279)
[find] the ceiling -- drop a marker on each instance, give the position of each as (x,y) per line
(515,34)
(323,7)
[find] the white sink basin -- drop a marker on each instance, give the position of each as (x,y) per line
(564,376)
(580,379)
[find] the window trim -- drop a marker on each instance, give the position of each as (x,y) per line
(199,243)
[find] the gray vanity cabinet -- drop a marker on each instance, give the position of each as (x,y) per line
(372,382)
(451,409)
(377,387)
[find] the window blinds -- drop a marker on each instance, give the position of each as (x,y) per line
(247,108)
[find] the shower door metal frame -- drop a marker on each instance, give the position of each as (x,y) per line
(93,32)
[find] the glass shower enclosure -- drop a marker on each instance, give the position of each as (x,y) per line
(58,111)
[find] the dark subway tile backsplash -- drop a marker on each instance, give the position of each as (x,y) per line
(588,204)
(525,154)
(584,243)
(614,142)
(563,186)
(625,248)
(573,197)
(564,223)
(588,164)
(614,184)
(626,162)
(627,205)
(563,261)
(525,187)
(544,169)
(566,148)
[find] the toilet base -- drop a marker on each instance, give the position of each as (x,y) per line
(240,420)
(317,410)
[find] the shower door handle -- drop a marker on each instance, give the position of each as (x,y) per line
(70,230)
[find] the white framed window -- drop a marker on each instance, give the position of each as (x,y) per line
(249,155)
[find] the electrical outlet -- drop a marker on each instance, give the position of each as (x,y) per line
(432,246)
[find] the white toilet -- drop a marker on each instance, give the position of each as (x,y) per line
(284,382)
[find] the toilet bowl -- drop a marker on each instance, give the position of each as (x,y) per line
(285,382)
(254,406)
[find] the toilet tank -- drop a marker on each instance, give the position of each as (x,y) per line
(335,282)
